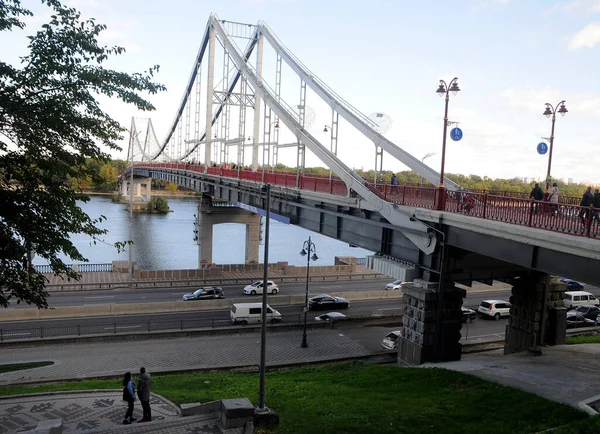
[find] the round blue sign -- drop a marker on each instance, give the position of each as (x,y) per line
(542,148)
(456,134)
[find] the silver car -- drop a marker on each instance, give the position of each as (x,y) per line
(390,342)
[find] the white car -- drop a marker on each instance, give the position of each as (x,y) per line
(494,308)
(396,285)
(257,288)
(331,316)
(390,342)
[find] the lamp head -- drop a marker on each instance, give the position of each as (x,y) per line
(441,90)
(303,252)
(562,110)
(277,124)
(547,112)
(454,88)
(325,129)
(314,257)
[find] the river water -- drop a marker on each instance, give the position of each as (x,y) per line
(166,241)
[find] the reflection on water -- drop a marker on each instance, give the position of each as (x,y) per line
(166,241)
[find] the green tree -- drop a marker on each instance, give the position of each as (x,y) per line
(158,204)
(50,124)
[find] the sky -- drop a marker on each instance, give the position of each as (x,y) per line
(510,56)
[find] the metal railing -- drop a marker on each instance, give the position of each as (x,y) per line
(80,268)
(115,328)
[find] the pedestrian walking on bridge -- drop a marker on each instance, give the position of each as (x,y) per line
(586,201)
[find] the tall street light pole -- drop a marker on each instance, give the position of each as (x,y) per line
(132,139)
(551,111)
(263,331)
(445,89)
(306,250)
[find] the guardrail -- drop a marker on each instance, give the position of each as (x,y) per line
(206,281)
(80,268)
(115,328)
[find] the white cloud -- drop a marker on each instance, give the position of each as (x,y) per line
(530,100)
(588,37)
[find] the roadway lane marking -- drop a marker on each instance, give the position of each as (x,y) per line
(100,297)
(123,327)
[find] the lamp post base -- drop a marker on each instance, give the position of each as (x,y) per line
(440,198)
(304,343)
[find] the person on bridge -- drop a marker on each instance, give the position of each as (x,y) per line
(536,194)
(143,390)
(586,201)
(597,205)
(129,397)
(395,180)
(553,199)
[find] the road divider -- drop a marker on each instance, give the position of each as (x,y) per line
(177,306)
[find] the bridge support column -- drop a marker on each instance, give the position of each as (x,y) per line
(425,339)
(252,239)
(148,189)
(538,315)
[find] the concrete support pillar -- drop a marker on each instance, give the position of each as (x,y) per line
(137,189)
(252,239)
(425,339)
(205,238)
(148,189)
(124,189)
(537,316)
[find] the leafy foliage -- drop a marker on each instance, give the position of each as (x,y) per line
(158,204)
(51,127)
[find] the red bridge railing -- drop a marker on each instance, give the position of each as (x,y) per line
(502,206)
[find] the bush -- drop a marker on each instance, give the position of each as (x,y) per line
(158,204)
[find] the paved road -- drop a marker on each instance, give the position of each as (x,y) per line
(151,295)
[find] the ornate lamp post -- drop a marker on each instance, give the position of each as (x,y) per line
(445,89)
(551,111)
(429,154)
(307,248)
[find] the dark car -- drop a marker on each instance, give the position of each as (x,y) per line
(325,301)
(208,293)
(468,315)
(574,320)
(587,311)
(572,284)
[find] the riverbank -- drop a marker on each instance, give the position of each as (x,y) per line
(163,193)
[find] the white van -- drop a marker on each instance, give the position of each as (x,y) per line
(251,313)
(580,298)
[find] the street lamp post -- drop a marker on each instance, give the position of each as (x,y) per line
(263,330)
(551,111)
(306,250)
(445,89)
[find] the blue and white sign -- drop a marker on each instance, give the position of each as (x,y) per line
(262,212)
(456,134)
(542,148)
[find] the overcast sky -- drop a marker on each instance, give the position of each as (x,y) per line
(511,57)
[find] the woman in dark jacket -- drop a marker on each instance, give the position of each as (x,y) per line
(129,396)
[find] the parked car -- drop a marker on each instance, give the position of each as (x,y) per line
(390,342)
(468,315)
(257,288)
(572,284)
(575,319)
(325,301)
(396,285)
(208,293)
(580,298)
(331,316)
(588,311)
(494,308)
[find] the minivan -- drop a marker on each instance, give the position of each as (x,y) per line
(580,298)
(251,313)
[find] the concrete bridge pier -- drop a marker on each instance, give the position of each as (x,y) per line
(138,194)
(538,315)
(210,214)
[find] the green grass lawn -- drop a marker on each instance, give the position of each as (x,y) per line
(22,366)
(583,340)
(356,397)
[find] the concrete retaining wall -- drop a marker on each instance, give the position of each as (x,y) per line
(177,306)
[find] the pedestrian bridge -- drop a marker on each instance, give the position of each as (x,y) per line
(445,235)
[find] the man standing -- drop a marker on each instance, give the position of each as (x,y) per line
(597,205)
(586,200)
(536,194)
(143,391)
